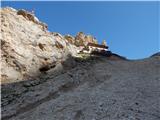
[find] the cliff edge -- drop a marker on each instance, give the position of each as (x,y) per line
(27,46)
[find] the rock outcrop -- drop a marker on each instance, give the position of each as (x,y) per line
(88,88)
(27,45)
(70,39)
(81,39)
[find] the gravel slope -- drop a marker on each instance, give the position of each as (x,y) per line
(95,89)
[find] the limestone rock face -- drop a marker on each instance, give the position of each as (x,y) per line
(27,45)
(70,39)
(81,39)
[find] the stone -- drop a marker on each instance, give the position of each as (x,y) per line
(27,45)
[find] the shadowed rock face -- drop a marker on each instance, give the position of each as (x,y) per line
(80,39)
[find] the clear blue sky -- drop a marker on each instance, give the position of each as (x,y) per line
(130,28)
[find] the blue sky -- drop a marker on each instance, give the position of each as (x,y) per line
(130,28)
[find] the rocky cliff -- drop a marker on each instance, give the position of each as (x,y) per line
(28,48)
(86,87)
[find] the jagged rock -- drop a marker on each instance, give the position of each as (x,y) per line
(70,39)
(90,39)
(31,17)
(26,45)
(104,43)
(57,34)
(82,40)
